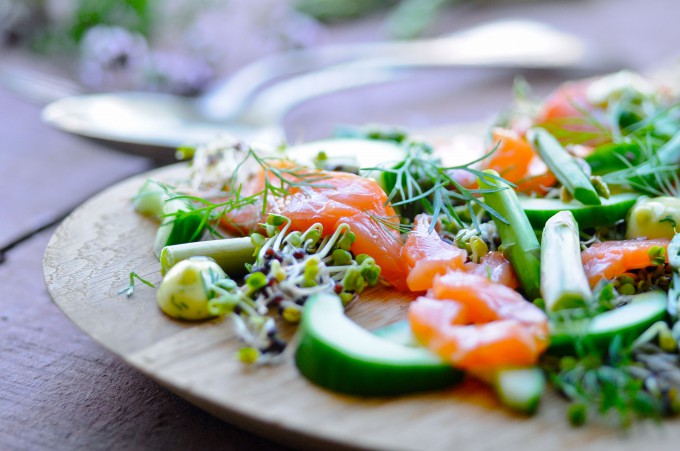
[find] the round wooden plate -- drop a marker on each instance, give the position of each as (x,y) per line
(89,260)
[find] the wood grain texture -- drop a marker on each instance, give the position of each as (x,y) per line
(87,262)
(59,390)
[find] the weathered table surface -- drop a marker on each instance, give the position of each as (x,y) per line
(61,390)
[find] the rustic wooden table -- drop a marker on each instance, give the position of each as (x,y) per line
(61,390)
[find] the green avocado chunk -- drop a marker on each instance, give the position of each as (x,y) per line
(615,208)
(337,354)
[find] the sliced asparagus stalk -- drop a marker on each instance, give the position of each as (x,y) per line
(520,244)
(563,281)
(231,254)
(564,166)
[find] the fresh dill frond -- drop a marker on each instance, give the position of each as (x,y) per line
(278,181)
(130,289)
(420,184)
(651,176)
(388,223)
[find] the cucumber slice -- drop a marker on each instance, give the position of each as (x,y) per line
(519,389)
(399,332)
(628,322)
(337,354)
(150,198)
(612,210)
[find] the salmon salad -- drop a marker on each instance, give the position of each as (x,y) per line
(550,260)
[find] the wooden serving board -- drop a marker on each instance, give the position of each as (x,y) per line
(89,260)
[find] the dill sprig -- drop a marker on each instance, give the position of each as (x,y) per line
(130,289)
(389,223)
(278,181)
(656,174)
(420,184)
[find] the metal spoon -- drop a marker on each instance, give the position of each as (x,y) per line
(150,124)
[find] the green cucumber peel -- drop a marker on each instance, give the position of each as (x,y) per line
(337,354)
(611,210)
(628,322)
(518,388)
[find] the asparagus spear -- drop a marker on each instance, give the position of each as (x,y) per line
(231,254)
(564,166)
(563,281)
(520,244)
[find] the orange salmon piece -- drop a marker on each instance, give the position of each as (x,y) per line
(381,243)
(246,219)
(568,101)
(305,210)
(515,160)
(426,255)
(478,325)
(568,115)
(610,259)
(496,268)
(338,198)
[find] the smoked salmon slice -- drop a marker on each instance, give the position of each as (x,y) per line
(333,198)
(496,268)
(610,259)
(425,255)
(477,325)
(516,161)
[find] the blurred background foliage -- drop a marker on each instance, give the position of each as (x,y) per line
(180,46)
